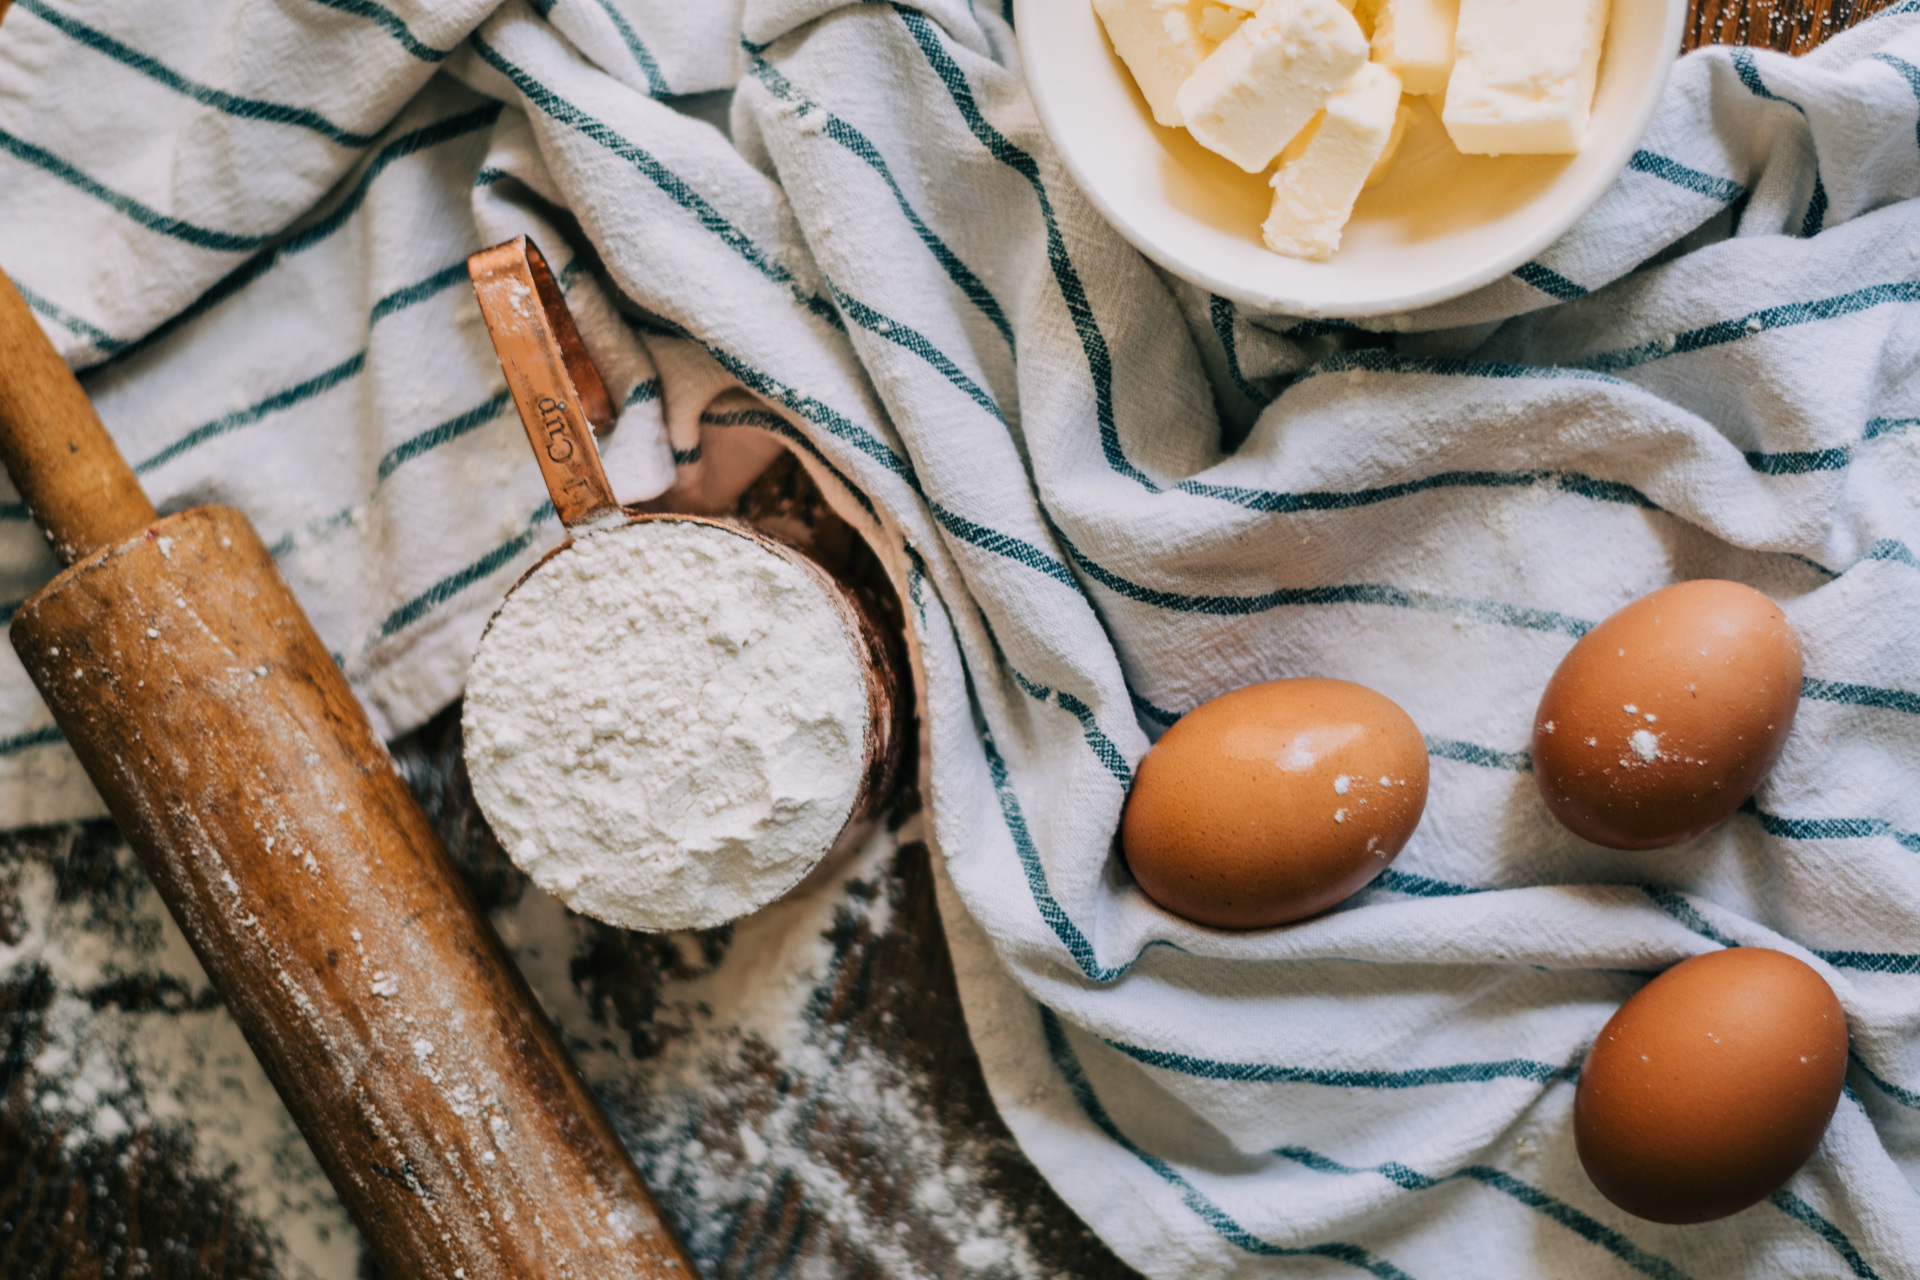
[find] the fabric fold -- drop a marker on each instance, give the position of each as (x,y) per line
(1104,497)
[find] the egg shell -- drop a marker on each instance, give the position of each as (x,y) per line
(1274,802)
(1662,720)
(1707,1089)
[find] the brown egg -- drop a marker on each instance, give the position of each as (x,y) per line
(1662,720)
(1274,802)
(1709,1087)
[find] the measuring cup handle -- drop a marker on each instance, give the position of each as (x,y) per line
(561,399)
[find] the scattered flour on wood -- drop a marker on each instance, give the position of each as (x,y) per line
(133,1040)
(758,1114)
(757,1117)
(666,725)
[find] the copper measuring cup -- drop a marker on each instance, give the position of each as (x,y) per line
(563,403)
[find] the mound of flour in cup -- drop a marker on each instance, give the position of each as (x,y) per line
(666,724)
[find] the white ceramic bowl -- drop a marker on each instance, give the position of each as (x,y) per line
(1439,225)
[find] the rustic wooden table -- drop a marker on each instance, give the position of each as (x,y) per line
(840,1127)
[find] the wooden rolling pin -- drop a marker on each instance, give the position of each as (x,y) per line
(242,771)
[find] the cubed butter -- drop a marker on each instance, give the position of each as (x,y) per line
(1523,75)
(1217,21)
(1402,117)
(1161,43)
(1267,79)
(1314,191)
(1414,40)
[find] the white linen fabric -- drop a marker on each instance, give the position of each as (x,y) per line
(1105,497)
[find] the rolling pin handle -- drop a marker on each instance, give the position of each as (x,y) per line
(561,399)
(75,482)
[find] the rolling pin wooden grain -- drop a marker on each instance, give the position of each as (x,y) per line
(241,769)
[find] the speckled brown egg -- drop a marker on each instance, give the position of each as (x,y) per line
(1662,720)
(1274,802)
(1709,1087)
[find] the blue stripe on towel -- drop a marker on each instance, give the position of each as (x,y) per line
(1725,190)
(1093,344)
(1346,1077)
(766,420)
(1159,715)
(399,300)
(147,216)
(1905,1097)
(1363,593)
(1549,281)
(1348,499)
(1474,753)
(1912,75)
(41,737)
(642,56)
(1002,544)
(100,338)
(1805,1214)
(441,433)
(206,95)
(1381,360)
(853,140)
(448,129)
(814,410)
(1050,910)
(390,22)
(1829,828)
(1892,549)
(907,338)
(317,385)
(454,583)
(1581,1224)
(1893,963)
(1862,695)
(1749,73)
(1220,312)
(1780,317)
(402,298)
(1196,1201)
(1417,886)
(671,184)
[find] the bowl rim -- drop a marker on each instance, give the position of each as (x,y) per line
(1525,248)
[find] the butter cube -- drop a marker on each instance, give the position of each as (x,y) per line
(1402,117)
(1523,75)
(1314,191)
(1161,43)
(1217,22)
(1414,40)
(1266,80)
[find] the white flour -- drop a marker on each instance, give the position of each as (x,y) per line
(758,1095)
(132,1057)
(771,1110)
(666,725)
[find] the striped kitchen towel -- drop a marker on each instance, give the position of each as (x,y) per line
(1105,497)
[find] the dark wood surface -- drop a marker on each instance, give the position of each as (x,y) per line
(76,1203)
(142,1203)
